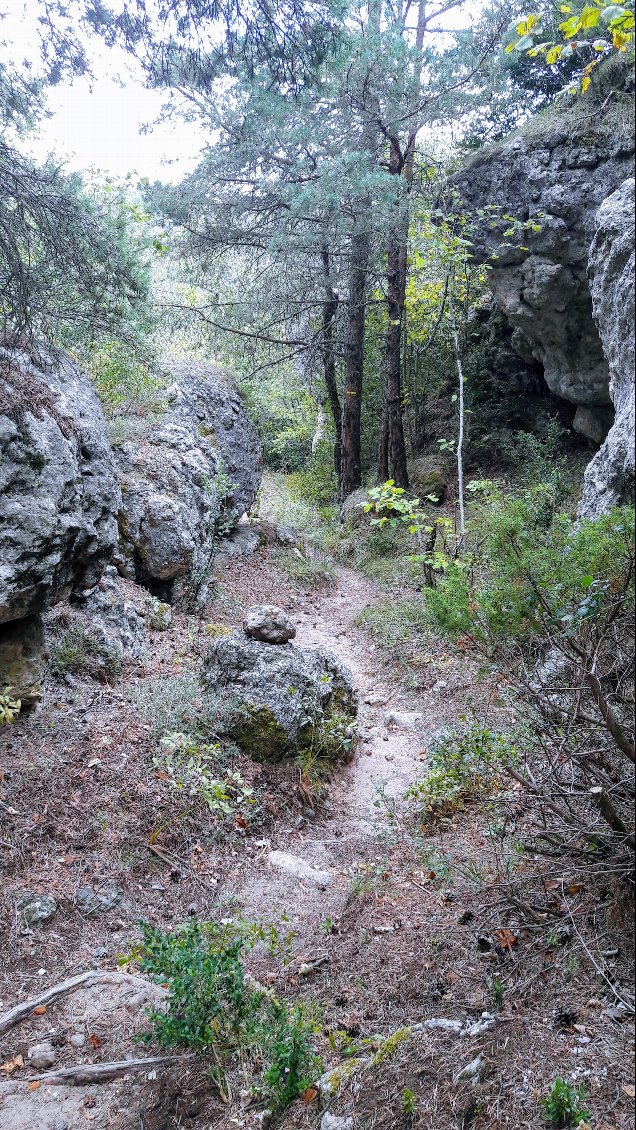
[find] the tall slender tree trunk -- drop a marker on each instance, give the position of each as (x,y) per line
(383,449)
(359,262)
(401,166)
(396,295)
(329,313)
(354,358)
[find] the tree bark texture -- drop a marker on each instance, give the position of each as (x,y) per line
(354,360)
(329,313)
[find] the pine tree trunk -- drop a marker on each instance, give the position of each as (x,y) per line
(329,313)
(354,361)
(396,294)
(401,166)
(383,451)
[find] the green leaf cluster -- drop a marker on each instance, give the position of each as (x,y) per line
(217,1010)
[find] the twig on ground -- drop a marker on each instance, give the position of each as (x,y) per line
(88,1073)
(83,980)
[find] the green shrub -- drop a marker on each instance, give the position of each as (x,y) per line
(305,572)
(191,767)
(462,765)
(539,574)
(563,1104)
(122,381)
(316,482)
(218,1011)
(168,703)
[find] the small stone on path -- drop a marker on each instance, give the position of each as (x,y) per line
(292,865)
(332,1122)
(408,720)
(92,901)
(36,908)
(41,1056)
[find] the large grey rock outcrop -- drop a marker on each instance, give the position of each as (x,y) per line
(281,700)
(609,478)
(58,492)
(553,177)
(195,471)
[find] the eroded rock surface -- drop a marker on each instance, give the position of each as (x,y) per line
(115,619)
(58,487)
(58,500)
(553,179)
(196,470)
(281,700)
(609,479)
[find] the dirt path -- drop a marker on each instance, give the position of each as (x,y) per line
(335,846)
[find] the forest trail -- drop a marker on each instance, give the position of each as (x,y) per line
(339,846)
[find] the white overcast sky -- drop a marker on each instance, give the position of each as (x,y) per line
(97,123)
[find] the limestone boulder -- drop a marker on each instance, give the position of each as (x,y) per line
(281,701)
(187,481)
(59,500)
(545,187)
(609,478)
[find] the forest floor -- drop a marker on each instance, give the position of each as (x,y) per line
(404,924)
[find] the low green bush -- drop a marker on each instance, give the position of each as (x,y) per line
(304,571)
(397,625)
(563,1104)
(215,1009)
(78,652)
(462,765)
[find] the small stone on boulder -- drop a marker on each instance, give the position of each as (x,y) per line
(269,624)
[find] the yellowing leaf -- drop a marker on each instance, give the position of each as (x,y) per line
(12,1065)
(587,82)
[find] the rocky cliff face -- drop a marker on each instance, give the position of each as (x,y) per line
(68,507)
(58,501)
(187,482)
(553,179)
(609,479)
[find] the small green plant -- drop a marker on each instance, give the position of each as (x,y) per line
(189,766)
(168,703)
(216,1009)
(498,991)
(563,1104)
(408,1102)
(9,707)
(571,966)
(463,765)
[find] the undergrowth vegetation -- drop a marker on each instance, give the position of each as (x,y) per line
(216,1009)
